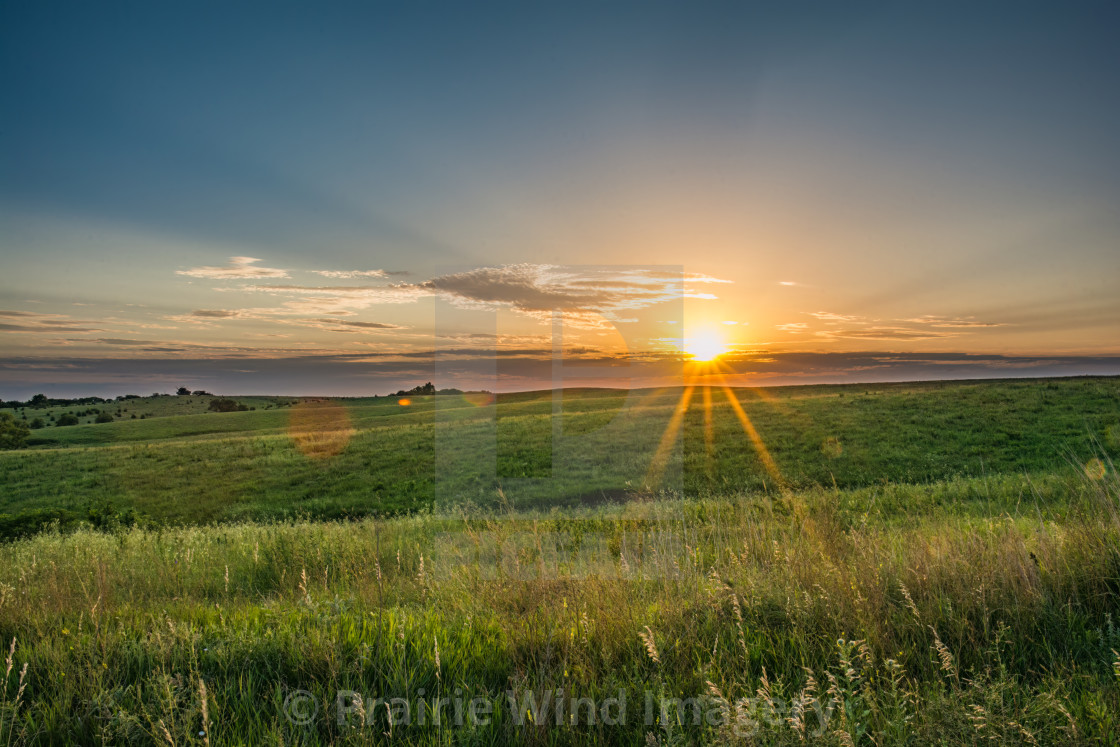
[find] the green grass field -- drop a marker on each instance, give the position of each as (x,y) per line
(933,563)
(204,466)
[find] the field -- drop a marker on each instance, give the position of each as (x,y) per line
(932,563)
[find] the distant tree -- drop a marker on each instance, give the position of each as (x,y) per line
(39,400)
(182,391)
(68,419)
(428,388)
(104,418)
(224,404)
(13,433)
(201,393)
(38,423)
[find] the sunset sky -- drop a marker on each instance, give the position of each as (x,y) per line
(305,200)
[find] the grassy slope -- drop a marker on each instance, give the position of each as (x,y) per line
(957,536)
(210,466)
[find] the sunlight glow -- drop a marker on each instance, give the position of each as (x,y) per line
(705,345)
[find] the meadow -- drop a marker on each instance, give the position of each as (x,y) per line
(932,563)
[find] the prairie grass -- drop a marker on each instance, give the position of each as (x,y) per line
(790,618)
(938,564)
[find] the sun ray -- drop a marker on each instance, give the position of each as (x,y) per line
(661,456)
(752,433)
(709,429)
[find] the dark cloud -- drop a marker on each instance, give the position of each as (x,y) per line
(42,327)
(215,313)
(361,325)
(29,321)
(120,341)
(542,288)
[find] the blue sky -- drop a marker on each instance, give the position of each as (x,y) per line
(833,178)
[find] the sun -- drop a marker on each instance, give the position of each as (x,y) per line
(705,345)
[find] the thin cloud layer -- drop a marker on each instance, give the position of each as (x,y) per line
(45,324)
(215,313)
(239,268)
(343,274)
(943,322)
(852,327)
(344,325)
(882,333)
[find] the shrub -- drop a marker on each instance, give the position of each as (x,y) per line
(68,419)
(104,418)
(13,433)
(224,404)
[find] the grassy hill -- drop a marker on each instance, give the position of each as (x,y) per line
(184,464)
(933,563)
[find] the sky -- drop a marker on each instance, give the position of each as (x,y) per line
(350,199)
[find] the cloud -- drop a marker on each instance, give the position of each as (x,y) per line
(938,321)
(359,295)
(351,273)
(27,321)
(828,316)
(40,330)
(339,300)
(215,313)
(340,325)
(120,341)
(856,327)
(883,333)
(239,268)
(695,277)
(590,298)
(174,346)
(793,327)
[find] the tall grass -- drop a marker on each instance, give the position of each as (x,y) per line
(813,616)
